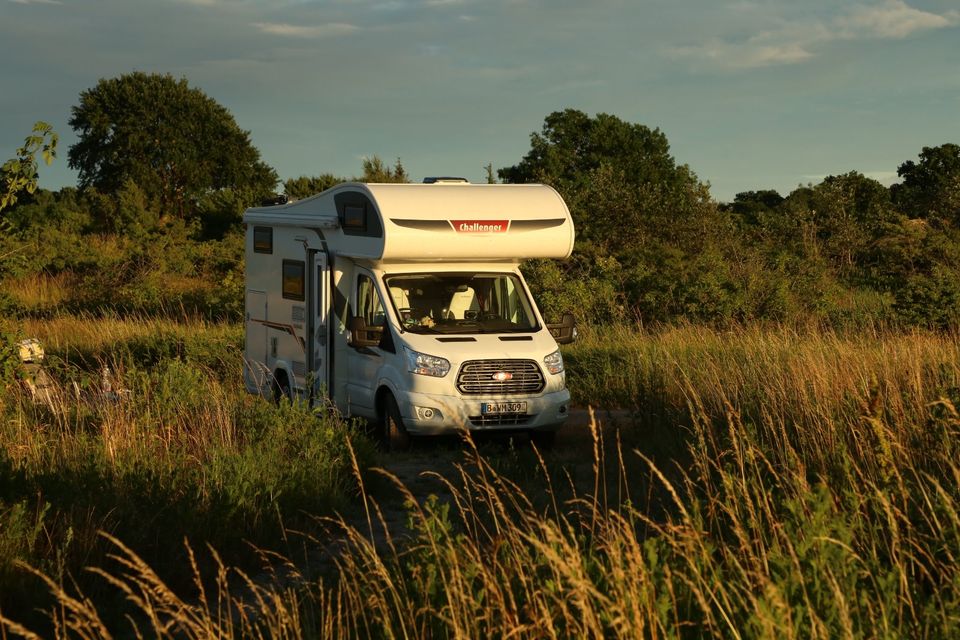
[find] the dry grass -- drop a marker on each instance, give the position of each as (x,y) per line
(818,499)
(40,290)
(88,332)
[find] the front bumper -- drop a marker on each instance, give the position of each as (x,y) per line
(433,414)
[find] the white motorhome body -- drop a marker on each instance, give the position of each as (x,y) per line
(407,298)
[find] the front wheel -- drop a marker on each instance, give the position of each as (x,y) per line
(395,436)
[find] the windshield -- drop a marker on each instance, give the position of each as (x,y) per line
(461,303)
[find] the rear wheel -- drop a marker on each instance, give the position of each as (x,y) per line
(394,434)
(281,388)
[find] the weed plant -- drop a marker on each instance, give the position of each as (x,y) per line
(817,498)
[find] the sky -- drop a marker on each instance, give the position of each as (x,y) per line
(751,94)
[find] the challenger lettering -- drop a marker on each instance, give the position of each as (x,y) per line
(480,226)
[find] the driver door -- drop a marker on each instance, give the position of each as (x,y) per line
(365,362)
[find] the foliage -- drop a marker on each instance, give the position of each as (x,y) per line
(174,142)
(652,245)
(374,170)
(618,178)
(115,253)
(931,187)
(304,186)
(10,363)
(650,242)
(19,174)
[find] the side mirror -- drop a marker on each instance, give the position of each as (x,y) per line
(360,334)
(566,331)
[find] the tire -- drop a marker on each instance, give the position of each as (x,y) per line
(281,389)
(394,434)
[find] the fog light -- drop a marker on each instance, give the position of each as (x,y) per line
(427,413)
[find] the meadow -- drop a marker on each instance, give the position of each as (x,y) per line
(760,481)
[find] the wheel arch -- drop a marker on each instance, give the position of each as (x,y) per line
(380,399)
(280,373)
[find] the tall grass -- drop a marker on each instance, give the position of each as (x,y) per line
(804,379)
(86,342)
(816,497)
(174,449)
(39,291)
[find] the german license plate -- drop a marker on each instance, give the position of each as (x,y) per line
(493,408)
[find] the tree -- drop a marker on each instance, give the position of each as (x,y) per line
(572,144)
(173,141)
(931,187)
(20,173)
(374,170)
(305,186)
(635,210)
(850,212)
(752,207)
(585,158)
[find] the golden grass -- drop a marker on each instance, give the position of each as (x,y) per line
(88,332)
(818,498)
(40,290)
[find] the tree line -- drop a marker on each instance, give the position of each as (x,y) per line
(165,173)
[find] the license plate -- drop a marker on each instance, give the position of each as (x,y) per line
(493,408)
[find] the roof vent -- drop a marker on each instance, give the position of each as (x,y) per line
(274,201)
(445,180)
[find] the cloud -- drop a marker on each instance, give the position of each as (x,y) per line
(748,55)
(306,31)
(35,1)
(798,42)
(893,19)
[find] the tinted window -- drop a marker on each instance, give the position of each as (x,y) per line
(369,306)
(263,240)
(293,277)
(354,218)
(461,303)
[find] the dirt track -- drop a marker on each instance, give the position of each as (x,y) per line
(572,455)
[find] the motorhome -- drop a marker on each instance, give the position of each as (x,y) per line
(404,304)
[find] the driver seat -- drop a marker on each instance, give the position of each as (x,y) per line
(460,303)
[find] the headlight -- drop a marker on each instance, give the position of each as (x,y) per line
(426,365)
(554,362)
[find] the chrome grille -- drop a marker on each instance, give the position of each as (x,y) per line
(478,377)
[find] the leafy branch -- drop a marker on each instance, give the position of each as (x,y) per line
(20,173)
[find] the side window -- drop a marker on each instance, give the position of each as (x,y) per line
(293,279)
(369,306)
(513,308)
(263,239)
(357,215)
(354,219)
